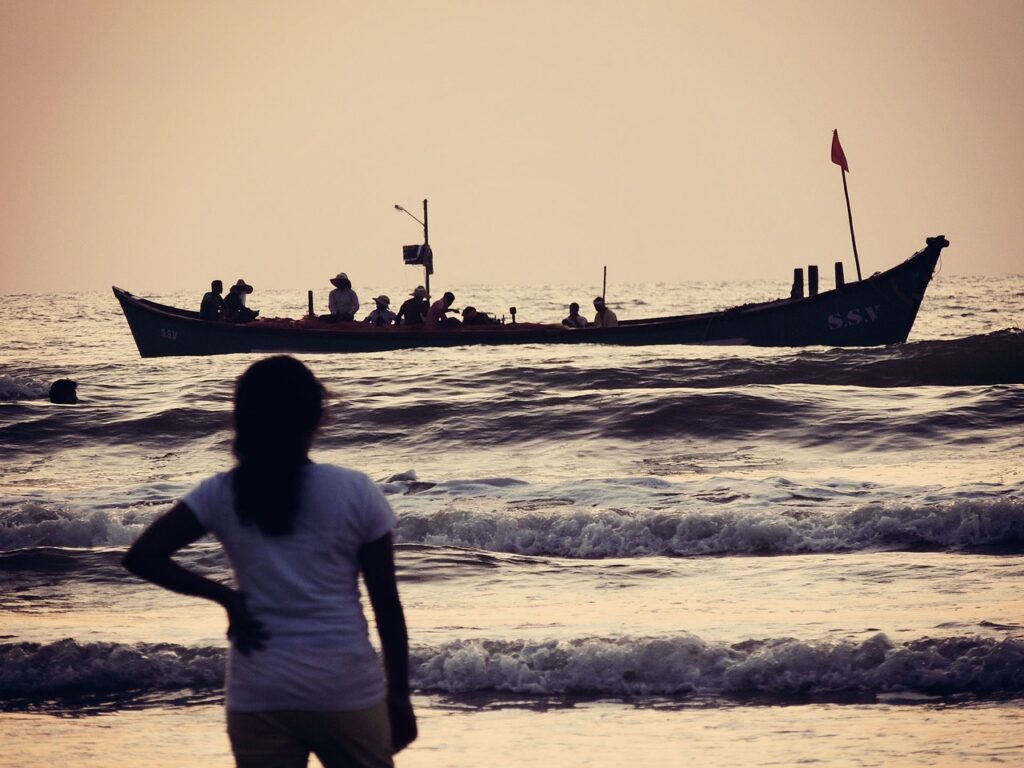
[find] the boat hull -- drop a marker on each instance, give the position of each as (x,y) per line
(878,310)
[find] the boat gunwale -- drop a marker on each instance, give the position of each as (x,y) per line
(264,324)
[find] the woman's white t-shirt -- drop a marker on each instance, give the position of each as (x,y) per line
(304,588)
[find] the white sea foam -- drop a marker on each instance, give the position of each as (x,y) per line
(68,666)
(665,666)
(22,388)
(569,531)
(619,666)
(684,665)
(568,527)
(34,524)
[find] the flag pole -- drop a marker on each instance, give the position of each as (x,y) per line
(839,158)
(849,214)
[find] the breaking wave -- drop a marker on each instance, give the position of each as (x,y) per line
(22,389)
(687,665)
(562,529)
(589,533)
(620,667)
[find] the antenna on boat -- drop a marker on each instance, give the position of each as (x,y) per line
(420,254)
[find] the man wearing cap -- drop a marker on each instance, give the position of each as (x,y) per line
(381,315)
(604,318)
(342,302)
(414,310)
(235,310)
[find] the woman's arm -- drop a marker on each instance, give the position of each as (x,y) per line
(150,558)
(377,562)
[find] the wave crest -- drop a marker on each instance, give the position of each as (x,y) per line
(621,666)
(590,533)
(685,665)
(70,667)
(567,531)
(22,389)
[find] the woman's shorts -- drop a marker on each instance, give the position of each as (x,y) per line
(352,739)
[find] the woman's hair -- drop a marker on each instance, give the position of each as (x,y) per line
(278,406)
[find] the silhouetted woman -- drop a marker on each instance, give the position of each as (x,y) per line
(302,675)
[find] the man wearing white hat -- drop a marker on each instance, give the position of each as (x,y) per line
(235,310)
(381,315)
(342,302)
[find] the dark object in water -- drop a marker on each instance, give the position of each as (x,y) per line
(878,310)
(64,392)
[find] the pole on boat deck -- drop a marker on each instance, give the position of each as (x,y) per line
(423,255)
(604,283)
(309,298)
(426,224)
(428,264)
(839,158)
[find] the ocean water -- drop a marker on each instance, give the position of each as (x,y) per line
(649,556)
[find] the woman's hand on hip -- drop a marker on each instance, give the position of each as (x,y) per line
(244,630)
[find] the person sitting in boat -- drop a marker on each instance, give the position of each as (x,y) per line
(414,309)
(437,315)
(242,284)
(342,301)
(472,316)
(575,319)
(381,315)
(212,306)
(235,310)
(604,318)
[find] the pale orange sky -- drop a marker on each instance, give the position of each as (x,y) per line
(157,144)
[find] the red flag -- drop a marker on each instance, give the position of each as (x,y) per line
(838,156)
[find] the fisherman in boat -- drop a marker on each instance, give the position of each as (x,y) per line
(235,310)
(437,315)
(342,301)
(212,306)
(381,315)
(575,319)
(604,318)
(414,309)
(471,316)
(242,284)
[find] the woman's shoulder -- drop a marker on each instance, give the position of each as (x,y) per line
(340,493)
(210,497)
(217,481)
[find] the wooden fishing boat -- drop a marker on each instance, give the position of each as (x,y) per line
(877,310)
